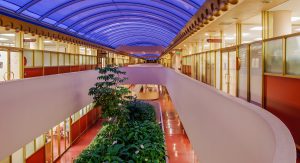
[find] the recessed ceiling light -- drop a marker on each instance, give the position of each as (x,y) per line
(258,28)
(8,34)
(294,19)
(47,41)
(206,34)
(3,39)
(229,38)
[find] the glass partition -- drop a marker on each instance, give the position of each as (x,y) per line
(67,59)
(256,72)
(61,59)
(293,55)
(243,72)
(212,68)
(38,58)
(29,149)
(218,69)
(208,68)
(225,75)
(273,56)
(28,58)
(232,73)
(54,59)
(47,59)
(18,156)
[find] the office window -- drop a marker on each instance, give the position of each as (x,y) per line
(273,56)
(293,55)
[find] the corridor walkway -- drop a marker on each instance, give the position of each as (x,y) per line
(179,148)
(81,144)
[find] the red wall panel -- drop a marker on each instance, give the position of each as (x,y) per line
(38,156)
(74,68)
(83,120)
(32,72)
(282,98)
(64,69)
(51,70)
(81,68)
(75,130)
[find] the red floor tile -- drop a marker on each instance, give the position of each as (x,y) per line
(178,145)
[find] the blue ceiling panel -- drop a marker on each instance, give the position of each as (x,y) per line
(108,22)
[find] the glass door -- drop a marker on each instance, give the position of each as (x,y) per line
(225,73)
(15,62)
(232,73)
(3,65)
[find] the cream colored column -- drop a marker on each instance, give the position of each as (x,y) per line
(282,24)
(40,43)
(19,39)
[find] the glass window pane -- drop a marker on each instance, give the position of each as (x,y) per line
(293,55)
(46,58)
(76,59)
(67,59)
(67,136)
(212,68)
(61,59)
(38,58)
(218,68)
(273,56)
(17,157)
(48,146)
(72,59)
(255,72)
(39,142)
(28,58)
(243,72)
(54,59)
(55,138)
(29,149)
(62,137)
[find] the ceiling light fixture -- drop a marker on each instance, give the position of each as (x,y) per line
(258,28)
(294,19)
(8,34)
(3,39)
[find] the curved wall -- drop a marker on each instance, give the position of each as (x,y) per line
(221,128)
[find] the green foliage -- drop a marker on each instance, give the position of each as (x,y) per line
(133,142)
(109,95)
(141,111)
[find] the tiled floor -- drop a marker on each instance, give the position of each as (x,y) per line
(178,145)
(81,144)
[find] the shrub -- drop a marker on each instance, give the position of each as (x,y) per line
(133,142)
(141,111)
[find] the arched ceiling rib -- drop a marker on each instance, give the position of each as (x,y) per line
(109,22)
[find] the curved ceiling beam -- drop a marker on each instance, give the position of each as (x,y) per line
(130,12)
(104,29)
(142,43)
(137,23)
(134,29)
(121,20)
(59,8)
(128,34)
(27,5)
(118,3)
(144,36)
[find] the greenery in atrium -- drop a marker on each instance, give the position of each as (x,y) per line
(131,133)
